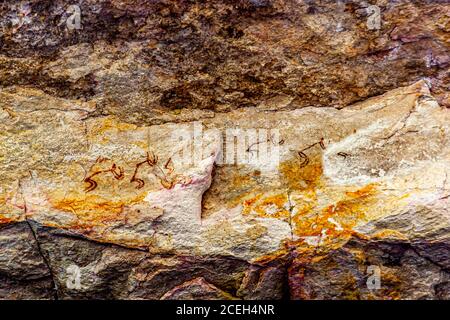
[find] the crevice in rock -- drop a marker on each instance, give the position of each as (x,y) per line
(66,234)
(38,246)
(428,259)
(45,260)
(403,122)
(286,285)
(202,205)
(291,209)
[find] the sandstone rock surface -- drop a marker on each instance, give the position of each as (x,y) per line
(119,164)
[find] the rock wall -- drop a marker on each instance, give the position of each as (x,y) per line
(241,149)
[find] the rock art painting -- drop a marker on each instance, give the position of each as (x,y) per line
(238,150)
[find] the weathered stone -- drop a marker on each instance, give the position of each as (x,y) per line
(24,273)
(344,273)
(263,284)
(196,289)
(117,162)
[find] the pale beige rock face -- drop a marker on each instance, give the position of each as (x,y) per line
(384,158)
(117,152)
(382,172)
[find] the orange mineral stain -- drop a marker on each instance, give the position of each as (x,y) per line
(5,220)
(94,209)
(274,206)
(110,125)
(301,179)
(108,129)
(335,222)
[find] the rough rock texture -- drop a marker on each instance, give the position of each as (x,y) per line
(92,176)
